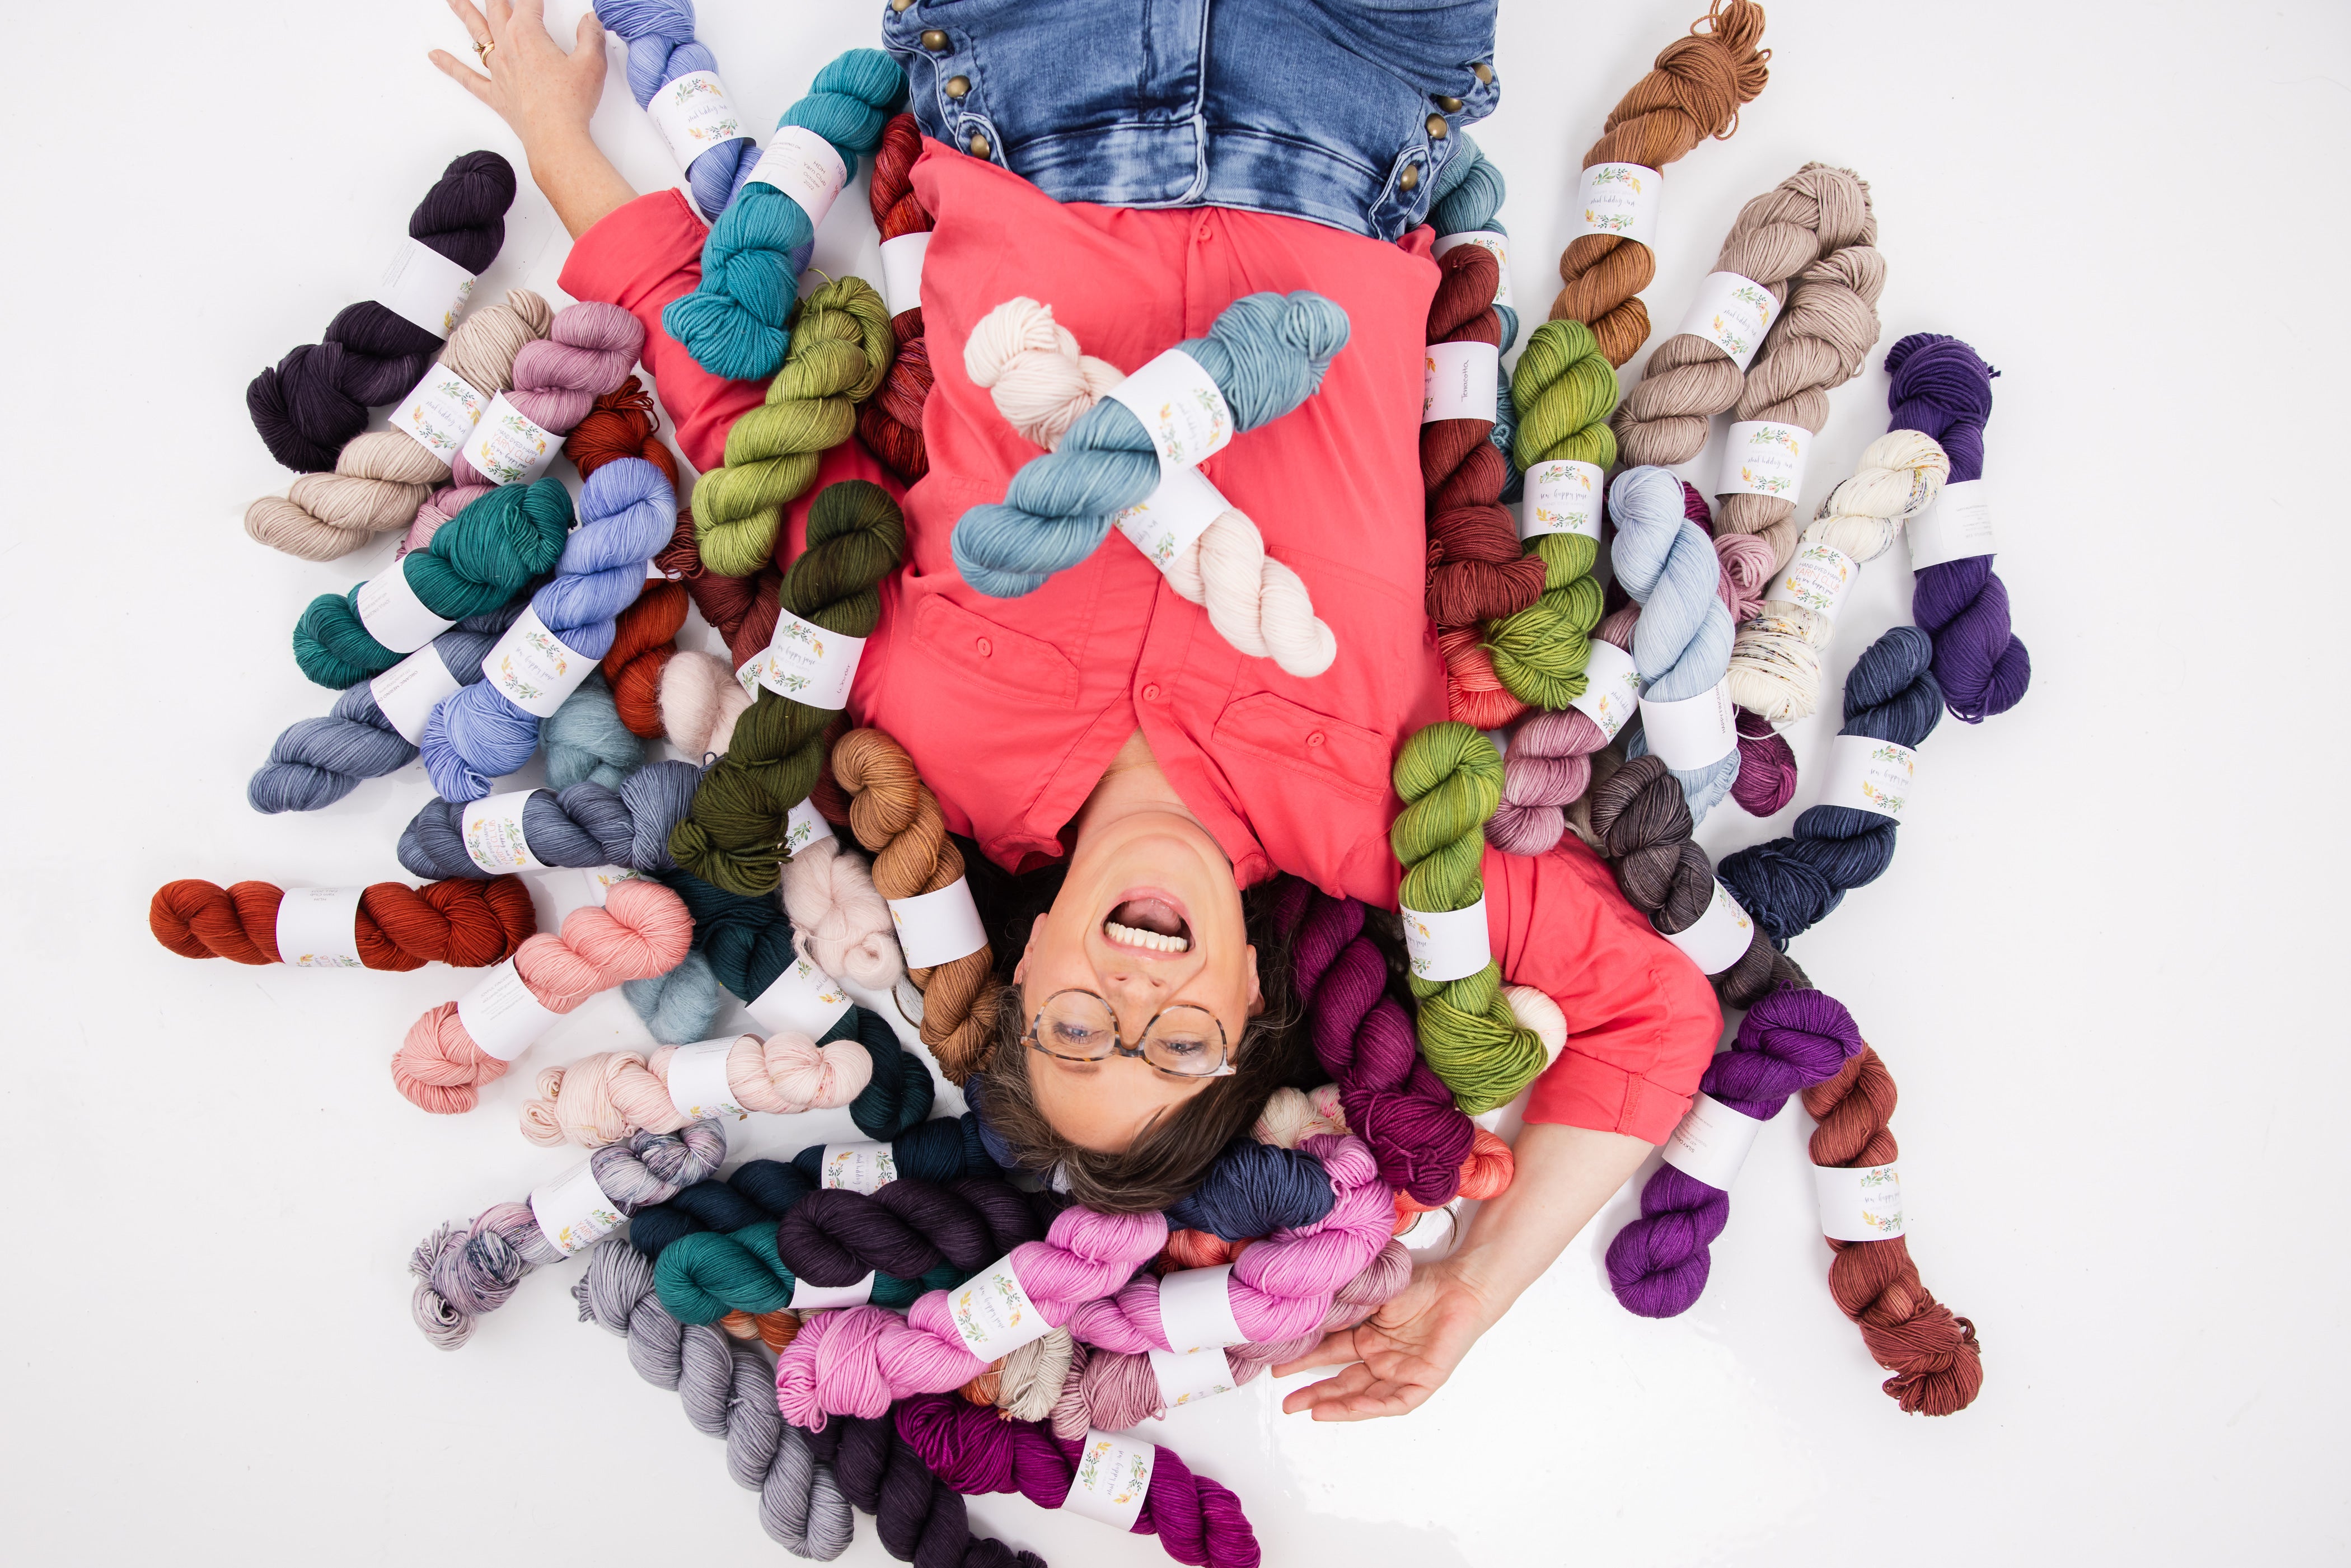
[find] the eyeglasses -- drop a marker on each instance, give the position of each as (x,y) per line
(1182,1040)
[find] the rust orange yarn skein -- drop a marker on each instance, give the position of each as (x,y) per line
(468,924)
(1476,572)
(892,424)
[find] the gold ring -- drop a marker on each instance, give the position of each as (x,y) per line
(483,52)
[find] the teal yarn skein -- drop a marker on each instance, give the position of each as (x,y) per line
(734,322)
(1265,352)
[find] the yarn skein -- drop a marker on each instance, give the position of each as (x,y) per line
(603,1098)
(1563,389)
(1767,766)
(586,353)
(1695,90)
(381,478)
(1549,768)
(1682,643)
(908,1228)
(1451,777)
(840,922)
(1943,387)
(1474,693)
(622,424)
(661,48)
(1477,571)
(734,322)
(586,825)
(587,743)
(316,398)
(917,1517)
(465,1271)
(1267,354)
(466,925)
(891,422)
(1468,199)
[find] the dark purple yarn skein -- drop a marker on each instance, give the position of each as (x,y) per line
(1943,388)
(1788,1041)
(919,1519)
(835,1236)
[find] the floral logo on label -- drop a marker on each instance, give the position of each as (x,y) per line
(1747,293)
(1881,1200)
(1884,801)
(1613,223)
(1212,1389)
(600,1220)
(1772,435)
(1617,174)
(1731,342)
(522,690)
(489,844)
(1772,485)
(326,961)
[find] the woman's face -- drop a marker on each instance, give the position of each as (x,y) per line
(1149,916)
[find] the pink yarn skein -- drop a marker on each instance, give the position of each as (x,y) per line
(840,922)
(601,1099)
(700,701)
(1548,764)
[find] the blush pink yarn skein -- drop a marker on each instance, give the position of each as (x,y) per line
(603,1098)
(700,701)
(1547,766)
(641,930)
(840,922)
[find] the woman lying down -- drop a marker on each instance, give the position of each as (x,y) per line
(1098,738)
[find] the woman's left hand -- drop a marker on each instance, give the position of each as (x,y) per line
(1400,1355)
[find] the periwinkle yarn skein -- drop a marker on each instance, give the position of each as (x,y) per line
(1563,389)
(661,48)
(482,560)
(381,478)
(1265,352)
(1476,572)
(1788,884)
(892,422)
(466,925)
(582,826)
(622,424)
(316,398)
(1943,387)
(1682,643)
(641,929)
(1790,1041)
(917,1517)
(734,322)
(725,1385)
(465,1271)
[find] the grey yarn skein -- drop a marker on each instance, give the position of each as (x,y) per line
(586,825)
(585,741)
(729,1391)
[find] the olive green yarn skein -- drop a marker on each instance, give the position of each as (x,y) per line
(840,350)
(1451,776)
(1563,390)
(732,834)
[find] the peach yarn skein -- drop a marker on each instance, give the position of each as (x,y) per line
(601,1099)
(840,922)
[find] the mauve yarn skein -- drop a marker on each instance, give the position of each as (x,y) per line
(582,826)
(464,1272)
(1477,571)
(661,48)
(1943,387)
(316,398)
(973,1450)
(891,420)
(1790,1041)
(1681,645)
(1548,766)
(1265,352)
(1694,91)
(586,742)
(465,925)
(916,1517)
(725,1385)
(586,353)
(381,478)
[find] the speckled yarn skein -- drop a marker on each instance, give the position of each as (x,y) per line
(465,925)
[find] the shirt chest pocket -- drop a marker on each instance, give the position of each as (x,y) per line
(994,655)
(1331,753)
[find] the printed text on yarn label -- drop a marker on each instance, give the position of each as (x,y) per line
(388,607)
(500,1014)
(1180,407)
(992,1313)
(938,928)
(509,446)
(1196,1309)
(1612,688)
(1165,523)
(807,1297)
(1621,200)
(1764,458)
(857,1167)
(1447,944)
(492,827)
(1112,1478)
(803,166)
(1694,732)
(1863,1204)
(1712,1142)
(1186,1375)
(317,927)
(1732,313)
(1868,775)
(802,999)
(1718,938)
(572,1211)
(441,412)
(695,115)
(535,669)
(1459,382)
(422,285)
(407,693)
(695,1077)
(1561,496)
(1956,525)
(902,270)
(1484,239)
(1815,578)
(805,663)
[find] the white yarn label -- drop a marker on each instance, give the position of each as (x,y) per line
(317,927)
(1561,496)
(1718,938)
(422,285)
(1764,458)
(696,1080)
(1732,313)
(492,827)
(695,115)
(1196,1309)
(1859,1204)
(501,1015)
(533,668)
(857,1167)
(1868,775)
(508,447)
(1112,1478)
(902,270)
(392,613)
(597,882)
(803,825)
(572,1211)
(803,999)
(992,1313)
(1711,1141)
(1692,732)
(938,928)
(1623,200)
(1168,521)
(1612,688)
(805,663)
(1484,239)
(441,412)
(807,1297)
(1447,944)
(407,693)
(1186,1375)
(803,166)
(1956,525)
(1815,578)
(1459,382)
(1181,408)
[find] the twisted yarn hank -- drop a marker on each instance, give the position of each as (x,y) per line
(1563,389)
(583,825)
(586,353)
(661,48)
(1549,766)
(892,422)
(465,925)
(622,424)
(601,1099)
(587,743)
(917,1517)
(840,920)
(1477,571)
(1682,643)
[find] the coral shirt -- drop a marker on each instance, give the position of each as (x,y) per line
(1013,707)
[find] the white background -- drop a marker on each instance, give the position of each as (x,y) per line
(2097,968)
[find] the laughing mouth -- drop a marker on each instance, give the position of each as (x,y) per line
(1150,925)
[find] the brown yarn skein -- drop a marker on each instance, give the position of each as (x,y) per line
(1938,1367)
(1477,568)
(1693,92)
(895,816)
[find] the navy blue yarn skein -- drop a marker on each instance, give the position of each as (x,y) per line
(1255,1190)
(758,1192)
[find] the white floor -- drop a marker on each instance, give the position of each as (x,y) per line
(2096,967)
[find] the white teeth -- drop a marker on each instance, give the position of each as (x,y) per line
(1135,936)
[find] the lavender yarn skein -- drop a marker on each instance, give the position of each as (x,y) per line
(661,48)
(1682,643)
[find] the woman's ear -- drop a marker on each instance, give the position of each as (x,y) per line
(1257,991)
(1020,970)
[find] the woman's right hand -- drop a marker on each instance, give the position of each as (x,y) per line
(547,97)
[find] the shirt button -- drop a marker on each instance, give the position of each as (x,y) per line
(1410,179)
(1315,738)
(984,647)
(978,144)
(958,86)
(936,41)
(1150,693)
(1205,232)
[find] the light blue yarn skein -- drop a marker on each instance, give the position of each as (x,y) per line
(677,1007)
(734,322)
(586,742)
(1470,195)
(661,48)
(1265,352)
(1682,643)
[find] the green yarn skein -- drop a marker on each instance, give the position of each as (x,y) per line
(840,351)
(733,835)
(1451,776)
(702,1277)
(1563,389)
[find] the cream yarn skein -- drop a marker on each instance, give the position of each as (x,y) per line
(602,1099)
(840,922)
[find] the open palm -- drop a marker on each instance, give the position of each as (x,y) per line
(1398,1357)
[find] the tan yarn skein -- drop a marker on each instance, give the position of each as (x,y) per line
(895,816)
(381,478)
